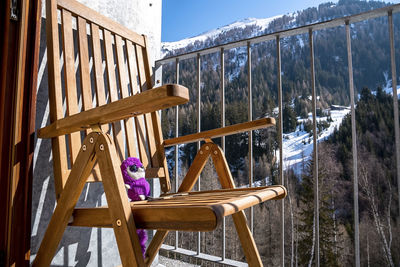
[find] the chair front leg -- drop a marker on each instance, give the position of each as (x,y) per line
(66,203)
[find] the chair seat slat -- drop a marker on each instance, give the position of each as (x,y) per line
(179,212)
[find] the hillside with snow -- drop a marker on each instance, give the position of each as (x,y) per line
(298,145)
(259,25)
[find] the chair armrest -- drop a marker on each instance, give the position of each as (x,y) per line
(228,130)
(148,101)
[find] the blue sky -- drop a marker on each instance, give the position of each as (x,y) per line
(187,18)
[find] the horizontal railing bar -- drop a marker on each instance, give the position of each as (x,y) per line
(380,12)
(203,256)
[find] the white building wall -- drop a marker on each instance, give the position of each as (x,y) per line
(83,246)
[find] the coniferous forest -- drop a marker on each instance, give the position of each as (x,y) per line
(378,197)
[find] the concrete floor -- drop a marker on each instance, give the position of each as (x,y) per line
(167,262)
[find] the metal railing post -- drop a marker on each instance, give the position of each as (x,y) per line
(354,149)
(177,147)
(280,137)
(315,147)
(395,101)
(223,138)
(198,107)
(250,133)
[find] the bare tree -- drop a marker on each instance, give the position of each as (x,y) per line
(289,197)
(368,167)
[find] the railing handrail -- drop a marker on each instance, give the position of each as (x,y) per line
(380,12)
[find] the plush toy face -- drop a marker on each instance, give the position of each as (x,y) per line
(132,168)
(136,172)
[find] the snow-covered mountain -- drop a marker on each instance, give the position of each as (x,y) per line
(260,26)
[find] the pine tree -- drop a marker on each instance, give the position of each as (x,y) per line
(289,119)
(327,229)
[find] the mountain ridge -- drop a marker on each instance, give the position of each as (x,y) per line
(262,23)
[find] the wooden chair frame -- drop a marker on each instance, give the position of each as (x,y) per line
(98,156)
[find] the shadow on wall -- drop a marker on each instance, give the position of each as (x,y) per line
(79,246)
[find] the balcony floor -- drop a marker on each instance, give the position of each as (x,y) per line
(164,261)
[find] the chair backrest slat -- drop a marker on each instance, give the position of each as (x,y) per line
(139,123)
(130,51)
(98,70)
(112,88)
(60,163)
(127,72)
(141,68)
(123,84)
(145,85)
(86,87)
(141,138)
(70,80)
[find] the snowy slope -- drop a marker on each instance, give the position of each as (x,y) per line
(298,145)
(262,23)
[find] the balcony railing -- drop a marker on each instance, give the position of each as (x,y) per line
(277,36)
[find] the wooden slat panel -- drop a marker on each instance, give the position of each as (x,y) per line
(139,120)
(112,87)
(130,51)
(140,124)
(153,122)
(123,82)
(141,139)
(104,22)
(141,67)
(228,130)
(161,158)
(155,99)
(55,96)
(146,62)
(70,80)
(145,85)
(98,70)
(84,65)
(151,140)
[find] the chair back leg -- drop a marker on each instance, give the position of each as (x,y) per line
(246,237)
(118,203)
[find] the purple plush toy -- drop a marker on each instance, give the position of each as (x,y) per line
(138,188)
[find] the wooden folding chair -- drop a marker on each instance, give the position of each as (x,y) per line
(124,103)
